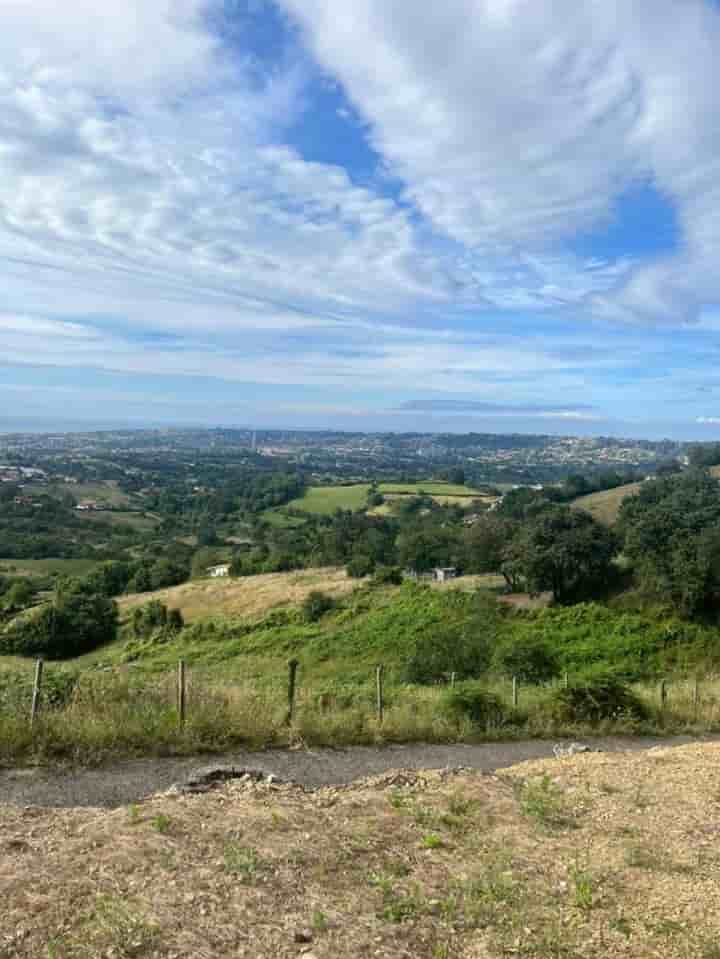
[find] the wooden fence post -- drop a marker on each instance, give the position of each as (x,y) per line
(452,680)
(379,691)
(663,694)
(696,696)
(292,670)
(181,693)
(37,685)
(515,692)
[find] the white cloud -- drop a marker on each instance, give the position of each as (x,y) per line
(517,123)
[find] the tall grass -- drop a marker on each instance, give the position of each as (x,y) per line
(103,715)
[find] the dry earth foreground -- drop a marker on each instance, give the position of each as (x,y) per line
(591,855)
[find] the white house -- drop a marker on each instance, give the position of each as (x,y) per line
(222,570)
(443,573)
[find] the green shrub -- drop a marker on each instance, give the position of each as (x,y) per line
(360,566)
(77,623)
(531,659)
(470,700)
(315,605)
(599,697)
(458,641)
(387,576)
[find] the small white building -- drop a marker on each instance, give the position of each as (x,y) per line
(442,573)
(222,570)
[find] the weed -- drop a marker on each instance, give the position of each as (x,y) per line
(541,799)
(399,800)
(431,840)
(583,887)
(161,823)
(621,925)
(459,805)
(123,932)
(242,861)
(319,921)
(134,814)
(668,927)
(396,904)
(424,815)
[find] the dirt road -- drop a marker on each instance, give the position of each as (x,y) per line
(128,782)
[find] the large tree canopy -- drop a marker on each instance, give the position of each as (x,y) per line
(562,550)
(672,536)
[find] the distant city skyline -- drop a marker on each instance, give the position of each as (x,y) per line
(488,215)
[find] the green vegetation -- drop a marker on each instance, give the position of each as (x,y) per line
(325,500)
(238,677)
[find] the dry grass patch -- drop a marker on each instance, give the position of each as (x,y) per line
(248,597)
(261,870)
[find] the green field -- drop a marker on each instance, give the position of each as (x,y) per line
(43,567)
(326,499)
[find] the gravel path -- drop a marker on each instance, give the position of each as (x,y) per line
(128,782)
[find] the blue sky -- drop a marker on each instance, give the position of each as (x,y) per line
(483,214)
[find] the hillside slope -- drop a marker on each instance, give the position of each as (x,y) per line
(247,597)
(584,858)
(605,505)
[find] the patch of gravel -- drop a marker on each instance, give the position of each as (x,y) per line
(120,784)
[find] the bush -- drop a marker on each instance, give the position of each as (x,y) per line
(360,566)
(76,624)
(531,659)
(470,700)
(315,605)
(600,697)
(387,576)
(459,641)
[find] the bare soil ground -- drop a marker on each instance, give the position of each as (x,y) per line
(590,856)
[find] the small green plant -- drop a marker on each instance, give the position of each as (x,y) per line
(398,799)
(621,925)
(134,814)
(583,888)
(424,815)
(541,799)
(431,840)
(161,823)
(319,921)
(123,932)
(242,861)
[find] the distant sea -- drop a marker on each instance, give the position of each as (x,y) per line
(39,425)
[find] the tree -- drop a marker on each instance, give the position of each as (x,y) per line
(484,543)
(672,536)
(565,551)
(456,475)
